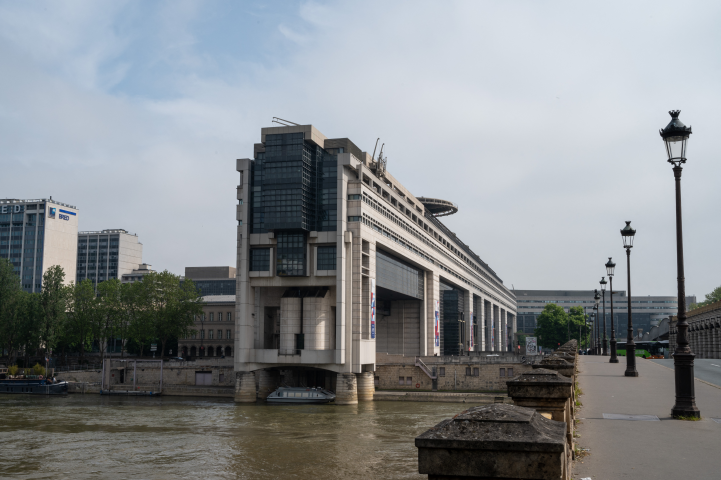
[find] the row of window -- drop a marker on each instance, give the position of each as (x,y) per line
(260,259)
(201,334)
(211,317)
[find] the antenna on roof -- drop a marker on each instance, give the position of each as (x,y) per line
(379,166)
(285,123)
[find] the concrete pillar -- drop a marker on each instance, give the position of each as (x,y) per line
(245,387)
(504,331)
(366,389)
(289,323)
(479,312)
(488,317)
(268,382)
(346,390)
(495,328)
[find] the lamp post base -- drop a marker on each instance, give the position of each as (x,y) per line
(685,392)
(631,361)
(614,356)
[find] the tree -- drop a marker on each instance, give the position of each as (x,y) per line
(83,308)
(713,297)
(108,313)
(54,304)
(173,305)
(555,327)
(9,293)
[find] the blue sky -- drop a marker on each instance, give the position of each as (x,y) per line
(540,120)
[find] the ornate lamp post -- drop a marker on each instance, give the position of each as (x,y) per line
(610,267)
(605,341)
(627,233)
(591,339)
(596,300)
(675,136)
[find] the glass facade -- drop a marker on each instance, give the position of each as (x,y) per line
(22,232)
(291,254)
(396,275)
(452,324)
(260,259)
(326,258)
(97,257)
(215,287)
(293,191)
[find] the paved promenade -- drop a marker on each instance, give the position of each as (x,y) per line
(644,449)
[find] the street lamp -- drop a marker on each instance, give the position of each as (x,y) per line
(610,267)
(603,283)
(591,336)
(627,233)
(596,300)
(675,136)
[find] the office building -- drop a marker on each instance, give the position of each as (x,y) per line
(341,267)
(37,234)
(212,280)
(646,311)
(107,254)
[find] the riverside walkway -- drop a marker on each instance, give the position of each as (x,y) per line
(641,449)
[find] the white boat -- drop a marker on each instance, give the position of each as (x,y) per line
(289,395)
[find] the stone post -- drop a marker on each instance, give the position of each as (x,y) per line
(494,442)
(346,390)
(366,389)
(245,387)
(547,392)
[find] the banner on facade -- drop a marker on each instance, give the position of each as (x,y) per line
(531,346)
(436,326)
(373,308)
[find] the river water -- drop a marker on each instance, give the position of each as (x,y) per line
(89,436)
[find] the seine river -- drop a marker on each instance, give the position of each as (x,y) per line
(89,436)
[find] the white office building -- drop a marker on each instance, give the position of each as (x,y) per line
(107,254)
(37,234)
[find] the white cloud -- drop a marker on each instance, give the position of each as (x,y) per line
(539,121)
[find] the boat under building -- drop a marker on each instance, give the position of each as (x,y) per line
(342,271)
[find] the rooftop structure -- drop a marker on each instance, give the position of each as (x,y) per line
(107,254)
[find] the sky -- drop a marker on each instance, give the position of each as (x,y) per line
(539,120)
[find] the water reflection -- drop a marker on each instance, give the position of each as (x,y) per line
(88,436)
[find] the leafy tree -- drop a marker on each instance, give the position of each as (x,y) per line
(713,297)
(54,305)
(555,327)
(133,320)
(10,290)
(108,313)
(83,309)
(173,305)
(30,321)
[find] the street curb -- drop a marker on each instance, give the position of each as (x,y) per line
(695,378)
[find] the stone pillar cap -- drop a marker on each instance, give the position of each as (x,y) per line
(555,360)
(497,427)
(541,376)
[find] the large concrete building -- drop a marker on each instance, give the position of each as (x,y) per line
(339,266)
(646,312)
(37,234)
(107,254)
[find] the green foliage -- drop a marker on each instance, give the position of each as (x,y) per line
(38,369)
(554,326)
(13,369)
(54,305)
(713,297)
(81,313)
